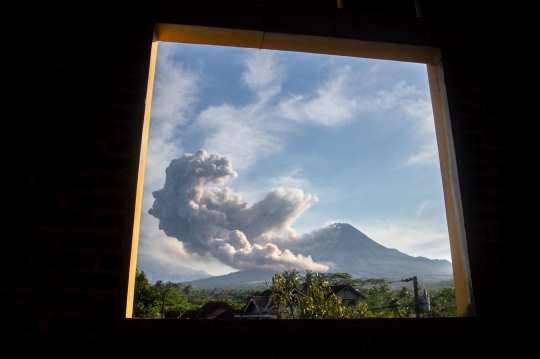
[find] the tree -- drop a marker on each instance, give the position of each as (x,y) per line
(318,301)
(338,278)
(188,289)
(146,297)
(284,297)
(163,288)
(443,303)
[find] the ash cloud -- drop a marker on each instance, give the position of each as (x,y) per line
(208,219)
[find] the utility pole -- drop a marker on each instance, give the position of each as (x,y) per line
(163,305)
(416,299)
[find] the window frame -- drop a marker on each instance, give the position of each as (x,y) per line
(430,56)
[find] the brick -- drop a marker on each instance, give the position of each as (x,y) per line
(486,182)
(64,260)
(57,180)
(13,258)
(83,146)
(68,219)
(13,217)
(65,324)
(12,198)
(102,324)
(26,238)
(45,199)
(108,304)
(96,201)
(110,261)
(88,240)
(112,221)
(87,281)
(117,163)
(21,279)
(50,302)
(112,182)
(17,321)
(124,147)
(69,302)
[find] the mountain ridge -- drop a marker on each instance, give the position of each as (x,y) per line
(157,269)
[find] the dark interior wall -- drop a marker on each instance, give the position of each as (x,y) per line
(77,79)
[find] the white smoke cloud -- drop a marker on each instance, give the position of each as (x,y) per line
(208,219)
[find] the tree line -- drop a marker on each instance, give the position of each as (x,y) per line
(318,302)
(162,298)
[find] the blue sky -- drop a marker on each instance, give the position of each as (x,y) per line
(349,140)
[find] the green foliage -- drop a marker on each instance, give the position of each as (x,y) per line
(188,290)
(146,299)
(443,303)
(318,301)
(155,301)
(381,302)
(284,296)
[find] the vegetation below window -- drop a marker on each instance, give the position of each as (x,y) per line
(294,296)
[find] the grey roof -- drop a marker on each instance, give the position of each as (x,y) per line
(205,311)
(260,302)
(338,288)
(189,314)
(210,307)
(228,314)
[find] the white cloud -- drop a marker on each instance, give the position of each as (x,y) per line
(175,92)
(427,154)
(264,73)
(415,238)
(334,103)
(245,134)
(291,180)
(410,110)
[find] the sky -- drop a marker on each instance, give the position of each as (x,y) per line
(251,150)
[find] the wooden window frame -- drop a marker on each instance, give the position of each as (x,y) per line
(430,56)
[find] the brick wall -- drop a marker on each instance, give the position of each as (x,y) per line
(77,85)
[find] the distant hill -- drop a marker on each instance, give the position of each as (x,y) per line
(245,278)
(167,271)
(346,249)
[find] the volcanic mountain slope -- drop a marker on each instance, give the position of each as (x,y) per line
(345,249)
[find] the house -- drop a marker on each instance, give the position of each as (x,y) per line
(210,310)
(262,305)
(347,293)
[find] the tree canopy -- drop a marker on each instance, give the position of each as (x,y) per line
(146,299)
